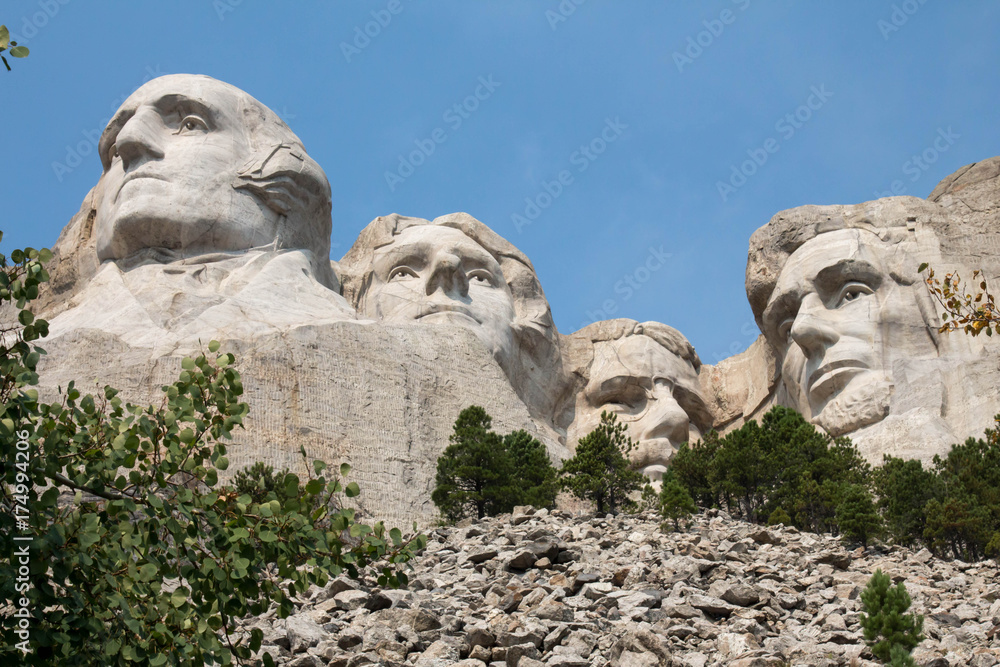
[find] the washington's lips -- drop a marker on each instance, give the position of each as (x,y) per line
(838,372)
(134,175)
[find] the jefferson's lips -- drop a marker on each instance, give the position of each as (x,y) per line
(446,310)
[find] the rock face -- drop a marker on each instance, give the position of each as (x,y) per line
(210,220)
(836,292)
(646,374)
(618,591)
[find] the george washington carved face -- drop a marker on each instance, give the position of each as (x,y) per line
(193,165)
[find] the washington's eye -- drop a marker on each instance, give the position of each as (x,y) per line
(852,292)
(192,123)
(402,273)
(480,276)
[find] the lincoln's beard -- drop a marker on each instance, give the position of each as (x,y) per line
(863,402)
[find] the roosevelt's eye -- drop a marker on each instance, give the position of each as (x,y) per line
(480,276)
(192,123)
(852,292)
(628,400)
(402,273)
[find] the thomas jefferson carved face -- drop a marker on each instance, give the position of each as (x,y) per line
(437,275)
(170,157)
(840,320)
(652,390)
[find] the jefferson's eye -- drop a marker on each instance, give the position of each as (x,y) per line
(852,292)
(191,124)
(402,273)
(628,400)
(480,276)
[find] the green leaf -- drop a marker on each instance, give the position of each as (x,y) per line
(4,37)
(396,536)
(213,346)
(19,52)
(187,364)
(922,268)
(179,597)
(352,490)
(345,469)
(314,486)
(25,317)
(44,255)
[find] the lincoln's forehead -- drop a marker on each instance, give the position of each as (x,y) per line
(819,253)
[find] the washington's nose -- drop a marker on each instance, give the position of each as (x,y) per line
(667,418)
(447,275)
(812,330)
(139,138)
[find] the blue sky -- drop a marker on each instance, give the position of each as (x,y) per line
(617,120)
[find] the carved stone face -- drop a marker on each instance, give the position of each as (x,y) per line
(171,155)
(840,320)
(652,390)
(438,275)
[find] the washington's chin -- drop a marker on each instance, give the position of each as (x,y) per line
(863,402)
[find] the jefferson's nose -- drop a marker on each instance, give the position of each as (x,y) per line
(140,138)
(812,329)
(447,275)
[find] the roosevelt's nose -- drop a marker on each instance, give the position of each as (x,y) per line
(139,138)
(666,418)
(812,329)
(447,275)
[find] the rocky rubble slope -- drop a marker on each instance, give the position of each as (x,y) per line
(547,588)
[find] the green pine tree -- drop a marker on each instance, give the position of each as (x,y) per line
(600,470)
(856,514)
(474,472)
(534,477)
(884,620)
(675,501)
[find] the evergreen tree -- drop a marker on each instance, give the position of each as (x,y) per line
(475,471)
(675,501)
(600,470)
(904,488)
(856,514)
(534,477)
(693,465)
(884,620)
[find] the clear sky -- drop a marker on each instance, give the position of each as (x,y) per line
(606,126)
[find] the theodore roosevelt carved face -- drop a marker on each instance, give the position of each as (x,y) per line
(646,374)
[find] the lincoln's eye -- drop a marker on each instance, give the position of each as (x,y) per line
(401,273)
(853,292)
